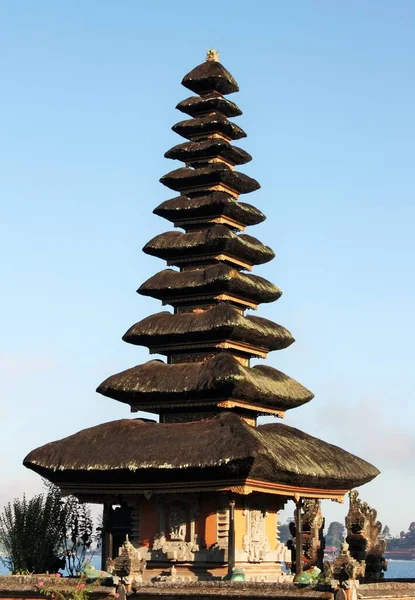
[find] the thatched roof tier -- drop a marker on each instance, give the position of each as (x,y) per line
(181,209)
(204,151)
(164,331)
(198,105)
(208,245)
(222,451)
(195,181)
(156,385)
(210,77)
(201,127)
(171,286)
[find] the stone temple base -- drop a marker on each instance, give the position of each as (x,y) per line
(187,572)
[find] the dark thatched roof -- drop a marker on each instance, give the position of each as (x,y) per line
(212,123)
(205,150)
(208,77)
(198,180)
(219,377)
(215,204)
(223,448)
(175,245)
(219,323)
(196,105)
(212,280)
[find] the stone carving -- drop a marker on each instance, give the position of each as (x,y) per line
(177,522)
(363,531)
(129,565)
(256,542)
(174,550)
(313,539)
(345,567)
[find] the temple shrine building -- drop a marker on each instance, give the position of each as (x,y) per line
(201,489)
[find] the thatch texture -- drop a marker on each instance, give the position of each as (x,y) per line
(217,239)
(223,447)
(209,77)
(212,280)
(212,123)
(199,180)
(205,150)
(215,204)
(219,323)
(197,105)
(219,377)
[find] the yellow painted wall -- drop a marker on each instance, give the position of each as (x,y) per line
(271,526)
(240,528)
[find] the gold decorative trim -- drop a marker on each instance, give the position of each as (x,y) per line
(184,223)
(254,407)
(219,187)
(240,487)
(188,300)
(208,403)
(225,344)
(206,259)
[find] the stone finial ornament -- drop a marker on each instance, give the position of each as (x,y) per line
(212,55)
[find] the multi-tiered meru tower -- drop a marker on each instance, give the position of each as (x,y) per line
(202,488)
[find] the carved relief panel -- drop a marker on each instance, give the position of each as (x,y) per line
(256,543)
(177,522)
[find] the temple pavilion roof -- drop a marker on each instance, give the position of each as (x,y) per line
(220,380)
(212,123)
(222,323)
(208,77)
(174,287)
(219,453)
(199,105)
(216,242)
(204,209)
(204,151)
(210,177)
(207,386)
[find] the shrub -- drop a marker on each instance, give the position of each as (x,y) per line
(31,532)
(46,533)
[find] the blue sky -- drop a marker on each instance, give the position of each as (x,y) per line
(88,96)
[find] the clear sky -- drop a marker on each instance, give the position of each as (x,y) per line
(88,95)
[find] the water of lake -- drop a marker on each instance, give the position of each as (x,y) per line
(397,569)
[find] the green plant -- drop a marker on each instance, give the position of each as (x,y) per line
(46,533)
(75,592)
(78,534)
(30,531)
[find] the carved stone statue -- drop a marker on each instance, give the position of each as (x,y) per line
(363,531)
(313,539)
(129,565)
(345,567)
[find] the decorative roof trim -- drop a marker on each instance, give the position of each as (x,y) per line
(183,348)
(202,259)
(242,487)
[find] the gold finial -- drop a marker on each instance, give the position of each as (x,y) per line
(212,55)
